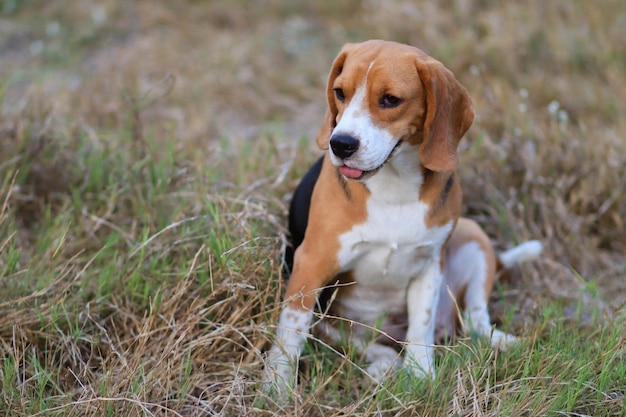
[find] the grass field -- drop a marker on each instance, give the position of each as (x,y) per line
(147,154)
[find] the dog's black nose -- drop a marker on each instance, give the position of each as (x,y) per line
(343,145)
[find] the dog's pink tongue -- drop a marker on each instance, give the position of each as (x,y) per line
(350,172)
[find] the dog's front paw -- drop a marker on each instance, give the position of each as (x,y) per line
(280,375)
(378,370)
(420,365)
(382,359)
(420,372)
(502,341)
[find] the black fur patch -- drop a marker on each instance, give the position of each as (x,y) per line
(299,211)
(447,188)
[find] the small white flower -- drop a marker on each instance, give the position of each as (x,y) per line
(522,107)
(562,116)
(52,29)
(474,70)
(553,107)
(99,15)
(523,93)
(36,47)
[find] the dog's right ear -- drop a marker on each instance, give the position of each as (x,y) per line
(328,124)
(330,118)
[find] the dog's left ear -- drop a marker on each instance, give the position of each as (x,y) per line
(449,114)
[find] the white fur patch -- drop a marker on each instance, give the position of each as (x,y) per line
(423,295)
(524,252)
(382,359)
(293,329)
(467,266)
(375,143)
(388,251)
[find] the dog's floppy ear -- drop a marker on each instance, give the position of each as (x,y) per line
(329,123)
(449,114)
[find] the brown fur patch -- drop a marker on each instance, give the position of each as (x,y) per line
(335,208)
(442,192)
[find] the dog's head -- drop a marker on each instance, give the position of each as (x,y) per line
(382,95)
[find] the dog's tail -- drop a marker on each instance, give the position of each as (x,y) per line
(524,252)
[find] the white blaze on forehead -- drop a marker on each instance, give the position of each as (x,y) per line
(375,143)
(357,109)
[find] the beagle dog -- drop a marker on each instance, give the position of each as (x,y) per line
(380,250)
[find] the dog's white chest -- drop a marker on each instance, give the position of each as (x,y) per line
(393,246)
(386,252)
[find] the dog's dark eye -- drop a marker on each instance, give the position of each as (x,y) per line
(339,94)
(388,101)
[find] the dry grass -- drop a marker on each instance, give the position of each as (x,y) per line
(147,150)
